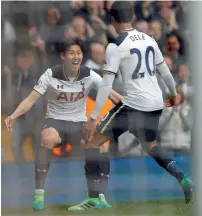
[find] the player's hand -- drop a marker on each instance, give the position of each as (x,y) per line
(89,129)
(171,101)
(9,123)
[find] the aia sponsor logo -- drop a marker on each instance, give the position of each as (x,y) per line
(70,97)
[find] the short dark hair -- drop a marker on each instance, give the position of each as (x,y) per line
(67,43)
(122,11)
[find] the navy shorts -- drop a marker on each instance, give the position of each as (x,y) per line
(70,132)
(122,118)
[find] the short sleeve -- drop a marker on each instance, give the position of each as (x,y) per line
(112,58)
(43,82)
(96,79)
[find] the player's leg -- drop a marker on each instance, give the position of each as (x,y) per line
(104,166)
(104,160)
(163,159)
(95,163)
(97,169)
(49,139)
(146,127)
(104,172)
(116,118)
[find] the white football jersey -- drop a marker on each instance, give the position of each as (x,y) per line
(136,54)
(67,99)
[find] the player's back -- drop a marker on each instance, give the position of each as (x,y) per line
(139,55)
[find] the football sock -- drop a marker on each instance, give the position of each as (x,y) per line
(92,171)
(42,164)
(162,158)
(104,168)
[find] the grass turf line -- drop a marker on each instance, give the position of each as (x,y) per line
(137,208)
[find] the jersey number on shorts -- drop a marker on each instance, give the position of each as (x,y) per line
(151,72)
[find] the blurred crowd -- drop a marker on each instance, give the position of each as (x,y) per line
(32,32)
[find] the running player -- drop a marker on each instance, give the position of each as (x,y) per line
(138,57)
(67,87)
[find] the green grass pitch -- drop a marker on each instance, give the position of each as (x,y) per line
(137,208)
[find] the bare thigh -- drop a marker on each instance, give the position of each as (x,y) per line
(50,138)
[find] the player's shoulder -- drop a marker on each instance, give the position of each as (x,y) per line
(85,72)
(120,39)
(47,74)
(112,49)
(150,38)
(57,72)
(114,45)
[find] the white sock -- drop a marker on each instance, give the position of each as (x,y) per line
(39,191)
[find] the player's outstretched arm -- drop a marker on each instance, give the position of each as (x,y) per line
(169,81)
(102,95)
(23,107)
(113,96)
(167,77)
(112,62)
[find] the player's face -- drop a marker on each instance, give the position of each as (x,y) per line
(73,56)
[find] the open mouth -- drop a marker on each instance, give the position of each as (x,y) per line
(75,63)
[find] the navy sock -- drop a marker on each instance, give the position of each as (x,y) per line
(42,164)
(104,168)
(92,171)
(162,158)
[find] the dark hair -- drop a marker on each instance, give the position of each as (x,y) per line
(67,43)
(176,33)
(122,11)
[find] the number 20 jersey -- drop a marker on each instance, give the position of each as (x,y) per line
(136,55)
(66,98)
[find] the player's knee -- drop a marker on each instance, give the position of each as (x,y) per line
(49,140)
(148,146)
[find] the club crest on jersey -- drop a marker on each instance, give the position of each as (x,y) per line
(39,83)
(83,87)
(106,61)
(60,86)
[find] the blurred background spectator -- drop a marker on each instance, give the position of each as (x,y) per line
(142,26)
(176,124)
(155,29)
(20,78)
(97,55)
(42,26)
(184,80)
